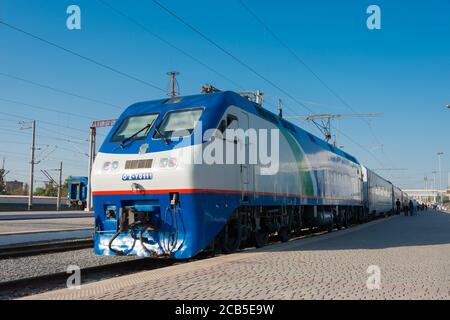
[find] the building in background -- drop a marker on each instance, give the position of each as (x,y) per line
(15,187)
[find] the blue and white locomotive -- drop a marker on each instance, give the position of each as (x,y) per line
(151,199)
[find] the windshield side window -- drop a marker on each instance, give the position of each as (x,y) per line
(131,125)
(178,122)
(231,121)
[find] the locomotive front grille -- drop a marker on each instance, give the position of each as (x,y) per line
(138,164)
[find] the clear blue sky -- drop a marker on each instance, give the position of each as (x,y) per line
(402,71)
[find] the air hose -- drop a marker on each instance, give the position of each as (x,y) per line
(141,239)
(133,235)
(118,252)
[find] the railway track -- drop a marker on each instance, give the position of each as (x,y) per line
(33,285)
(8,252)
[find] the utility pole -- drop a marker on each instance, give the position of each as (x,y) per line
(91,155)
(434,179)
(439,154)
(58,184)
(92,138)
(58,203)
(173,89)
(33,149)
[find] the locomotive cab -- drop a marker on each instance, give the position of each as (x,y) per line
(144,179)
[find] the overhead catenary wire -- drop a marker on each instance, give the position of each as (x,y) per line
(46,129)
(79,141)
(37,84)
(297,57)
(98,63)
(33,106)
(25,156)
(245,65)
(234,57)
(19,117)
(168,43)
(302,62)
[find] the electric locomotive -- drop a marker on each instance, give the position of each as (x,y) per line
(158,192)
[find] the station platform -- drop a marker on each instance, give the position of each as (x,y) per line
(412,254)
(16,232)
(28,215)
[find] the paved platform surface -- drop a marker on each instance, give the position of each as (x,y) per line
(17,232)
(42,237)
(39,225)
(28,215)
(413,254)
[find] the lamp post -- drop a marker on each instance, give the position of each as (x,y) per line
(439,154)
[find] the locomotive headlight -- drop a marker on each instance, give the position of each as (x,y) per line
(170,162)
(163,162)
(115,165)
(109,166)
(106,166)
(173,162)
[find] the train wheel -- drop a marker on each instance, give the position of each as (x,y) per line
(260,237)
(231,239)
(284,234)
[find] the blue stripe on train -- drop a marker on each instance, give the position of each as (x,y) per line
(200,217)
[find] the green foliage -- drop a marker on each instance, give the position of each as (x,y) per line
(2,181)
(49,190)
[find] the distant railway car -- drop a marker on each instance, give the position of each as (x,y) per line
(76,192)
(151,199)
(379,194)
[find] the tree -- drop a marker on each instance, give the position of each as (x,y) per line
(49,190)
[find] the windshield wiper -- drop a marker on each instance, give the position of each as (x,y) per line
(134,135)
(166,140)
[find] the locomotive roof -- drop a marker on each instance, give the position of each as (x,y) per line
(219,102)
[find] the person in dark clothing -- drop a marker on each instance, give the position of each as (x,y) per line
(411,208)
(398,204)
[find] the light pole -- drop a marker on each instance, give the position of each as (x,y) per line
(439,154)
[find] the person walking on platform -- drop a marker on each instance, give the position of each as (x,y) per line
(411,208)
(398,204)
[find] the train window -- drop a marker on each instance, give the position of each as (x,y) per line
(180,122)
(230,119)
(222,126)
(231,122)
(134,125)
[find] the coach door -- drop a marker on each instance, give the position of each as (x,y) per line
(246,168)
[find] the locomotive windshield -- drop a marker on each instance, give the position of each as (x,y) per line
(182,122)
(132,126)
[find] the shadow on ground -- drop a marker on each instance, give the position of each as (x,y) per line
(425,229)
